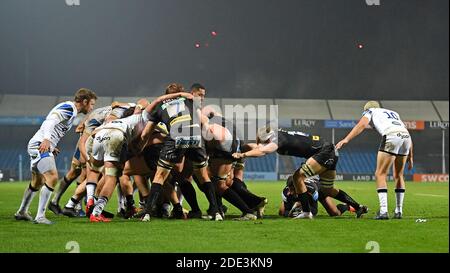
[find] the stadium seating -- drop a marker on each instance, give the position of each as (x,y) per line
(354,159)
(442,108)
(26,105)
(101,101)
(346,109)
(413,110)
(302,109)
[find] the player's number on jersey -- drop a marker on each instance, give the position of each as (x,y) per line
(175,108)
(373,246)
(73,247)
(391,115)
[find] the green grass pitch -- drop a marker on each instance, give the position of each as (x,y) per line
(272,234)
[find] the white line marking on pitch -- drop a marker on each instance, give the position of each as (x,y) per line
(432,195)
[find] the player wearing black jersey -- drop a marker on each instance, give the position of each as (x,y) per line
(221,142)
(321,160)
(181,117)
(290,207)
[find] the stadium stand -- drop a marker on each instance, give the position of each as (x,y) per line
(360,158)
(26,105)
(442,108)
(304,109)
(101,101)
(346,109)
(413,110)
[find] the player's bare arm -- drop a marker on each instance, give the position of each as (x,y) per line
(260,150)
(358,129)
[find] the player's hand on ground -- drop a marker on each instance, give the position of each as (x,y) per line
(341,144)
(238,155)
(56,151)
(45,146)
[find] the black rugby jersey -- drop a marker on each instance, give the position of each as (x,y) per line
(299,144)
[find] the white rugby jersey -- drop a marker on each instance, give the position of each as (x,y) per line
(98,116)
(56,124)
(385,121)
(129,125)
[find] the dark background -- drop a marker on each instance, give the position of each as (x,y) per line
(264,48)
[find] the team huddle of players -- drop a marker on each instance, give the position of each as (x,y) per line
(175,141)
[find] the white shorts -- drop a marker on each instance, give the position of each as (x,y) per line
(89,143)
(109,145)
(40,163)
(396,144)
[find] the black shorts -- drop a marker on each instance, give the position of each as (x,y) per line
(214,151)
(327,156)
(219,154)
(151,155)
(171,154)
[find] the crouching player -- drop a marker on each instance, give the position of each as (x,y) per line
(109,150)
(291,206)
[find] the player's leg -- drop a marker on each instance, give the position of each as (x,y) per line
(308,169)
(188,190)
(96,153)
(219,170)
(172,196)
(70,207)
(329,206)
(399,167)
(37,180)
(68,178)
(254,201)
(47,167)
(113,170)
(126,205)
(156,189)
(200,165)
(384,162)
(327,189)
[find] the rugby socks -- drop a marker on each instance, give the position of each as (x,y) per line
(120,199)
(303,198)
(28,196)
(231,196)
(188,191)
(44,197)
(250,199)
(211,196)
(382,197)
(72,203)
(63,185)
(345,198)
(153,198)
(90,190)
(400,195)
(100,206)
(129,201)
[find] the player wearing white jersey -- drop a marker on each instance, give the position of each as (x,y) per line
(42,148)
(78,166)
(109,149)
(396,147)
